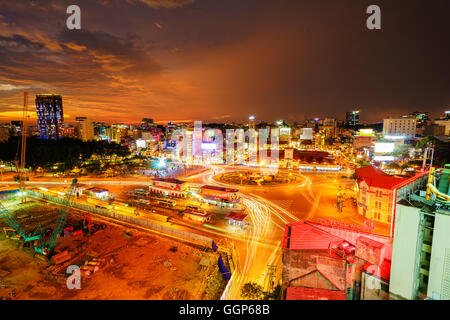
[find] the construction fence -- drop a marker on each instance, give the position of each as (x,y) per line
(143,222)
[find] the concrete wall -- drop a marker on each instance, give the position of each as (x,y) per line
(371,254)
(439,278)
(406,232)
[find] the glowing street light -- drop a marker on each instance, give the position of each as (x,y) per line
(162,163)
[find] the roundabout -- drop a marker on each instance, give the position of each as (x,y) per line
(255,178)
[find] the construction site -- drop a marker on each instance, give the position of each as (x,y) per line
(116,261)
(45,238)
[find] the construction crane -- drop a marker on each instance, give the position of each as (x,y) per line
(21,168)
(47,247)
(12,222)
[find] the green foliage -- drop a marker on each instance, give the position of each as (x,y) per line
(252,291)
(275,295)
(441,149)
(430,140)
(68,152)
(215,285)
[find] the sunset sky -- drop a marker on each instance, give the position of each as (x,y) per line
(223,60)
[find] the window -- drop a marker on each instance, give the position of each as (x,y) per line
(378,205)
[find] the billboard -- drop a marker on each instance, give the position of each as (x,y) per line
(384,147)
(365,132)
(285,131)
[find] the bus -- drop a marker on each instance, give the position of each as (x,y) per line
(167,202)
(195,206)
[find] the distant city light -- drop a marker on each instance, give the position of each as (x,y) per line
(394,137)
(365,132)
(208,146)
(251,118)
(140,143)
(383,158)
(161,163)
(382,147)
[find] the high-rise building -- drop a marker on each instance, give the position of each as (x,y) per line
(85,129)
(147,124)
(251,122)
(421,247)
(404,126)
(117,132)
(421,117)
(444,121)
(49,109)
(352,118)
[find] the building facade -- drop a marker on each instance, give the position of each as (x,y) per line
(421,246)
(376,192)
(405,126)
(85,129)
(50,117)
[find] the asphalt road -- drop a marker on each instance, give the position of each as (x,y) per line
(269,209)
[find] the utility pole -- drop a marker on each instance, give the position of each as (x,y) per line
(271,272)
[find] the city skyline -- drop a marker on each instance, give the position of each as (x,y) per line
(221,62)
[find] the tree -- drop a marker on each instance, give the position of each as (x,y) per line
(66,153)
(214,285)
(274,295)
(252,291)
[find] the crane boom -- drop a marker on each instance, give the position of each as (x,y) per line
(14,224)
(11,221)
(47,247)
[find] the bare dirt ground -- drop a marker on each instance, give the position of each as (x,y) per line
(133,265)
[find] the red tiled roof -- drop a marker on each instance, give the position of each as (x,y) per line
(302,293)
(301,236)
(236,216)
(377,178)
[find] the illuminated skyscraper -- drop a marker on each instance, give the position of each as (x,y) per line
(85,129)
(251,122)
(50,116)
(352,118)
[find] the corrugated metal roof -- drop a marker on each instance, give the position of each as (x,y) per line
(301,236)
(236,216)
(303,293)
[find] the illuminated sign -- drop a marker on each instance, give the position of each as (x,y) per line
(366,132)
(251,118)
(285,131)
(208,146)
(394,137)
(384,147)
(383,158)
(140,143)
